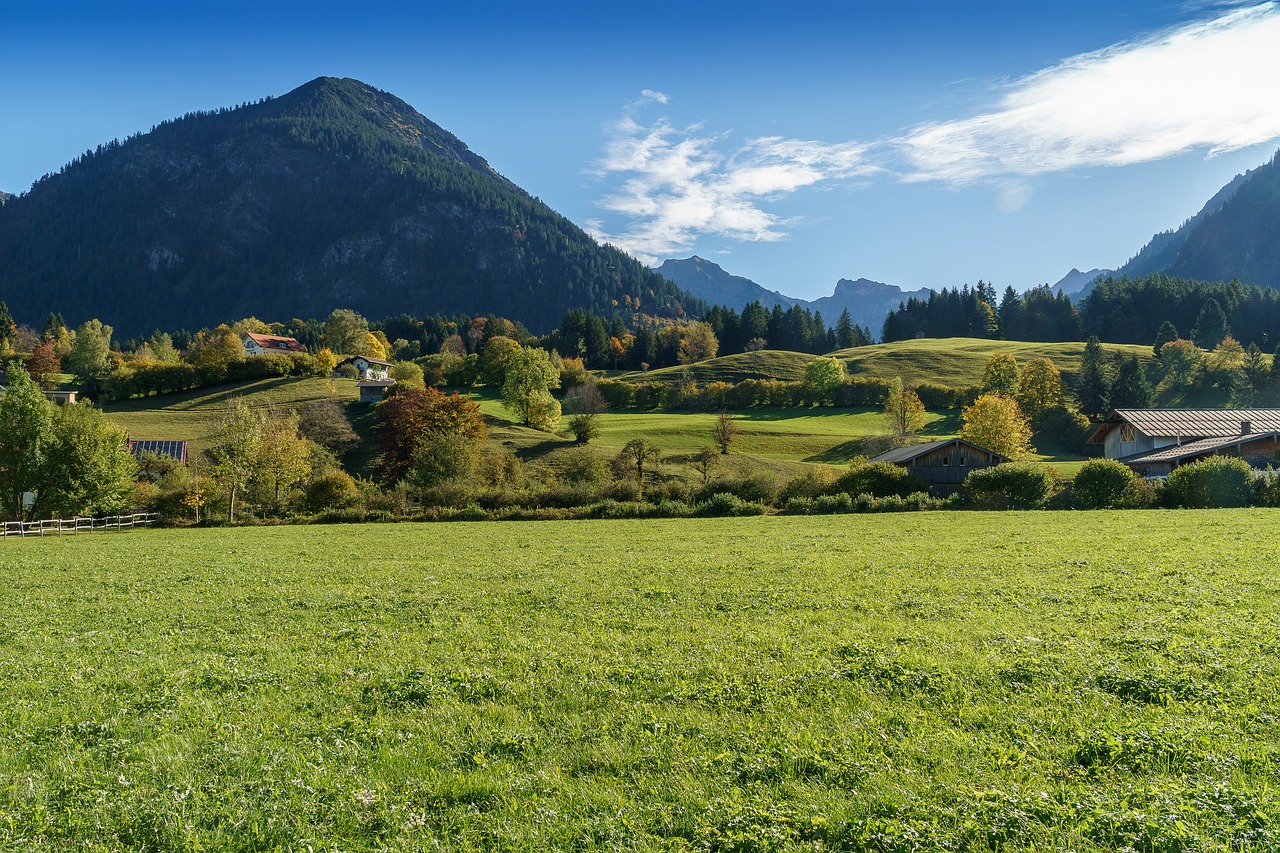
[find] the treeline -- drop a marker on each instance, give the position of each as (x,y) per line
(1118,310)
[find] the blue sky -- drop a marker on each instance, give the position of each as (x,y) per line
(924,145)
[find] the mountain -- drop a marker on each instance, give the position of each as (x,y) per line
(1076,282)
(868,302)
(710,282)
(1235,235)
(5,197)
(333,195)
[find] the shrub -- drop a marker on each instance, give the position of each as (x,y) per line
(798,506)
(810,484)
(1219,481)
(830,504)
(756,488)
(726,503)
(334,490)
(1019,484)
(1066,426)
(1101,483)
(877,479)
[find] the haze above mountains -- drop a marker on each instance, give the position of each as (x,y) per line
(340,195)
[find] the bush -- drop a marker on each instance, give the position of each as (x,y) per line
(877,479)
(1101,483)
(1219,481)
(728,504)
(809,484)
(755,488)
(334,490)
(1067,427)
(830,504)
(1018,484)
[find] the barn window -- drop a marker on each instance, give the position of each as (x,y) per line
(1128,433)
(961,461)
(946,460)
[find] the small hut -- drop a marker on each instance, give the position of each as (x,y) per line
(942,464)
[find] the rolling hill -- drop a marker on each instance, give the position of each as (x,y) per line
(333,195)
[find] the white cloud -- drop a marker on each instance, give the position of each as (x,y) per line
(1203,86)
(656,97)
(679,185)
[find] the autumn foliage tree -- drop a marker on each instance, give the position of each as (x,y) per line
(405,418)
(995,422)
(44,365)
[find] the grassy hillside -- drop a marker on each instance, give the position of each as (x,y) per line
(764,364)
(958,362)
(951,681)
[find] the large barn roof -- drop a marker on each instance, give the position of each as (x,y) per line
(1191,424)
(1197,448)
(904,455)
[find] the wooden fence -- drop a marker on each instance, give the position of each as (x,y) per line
(69,526)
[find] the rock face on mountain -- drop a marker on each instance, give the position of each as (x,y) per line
(5,197)
(334,195)
(868,302)
(1235,235)
(1076,282)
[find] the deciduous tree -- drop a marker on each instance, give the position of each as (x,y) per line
(641,456)
(995,422)
(904,414)
(24,433)
(1000,376)
(88,469)
(526,391)
(725,430)
(822,377)
(404,418)
(233,455)
(1039,388)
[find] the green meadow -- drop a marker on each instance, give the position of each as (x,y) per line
(943,681)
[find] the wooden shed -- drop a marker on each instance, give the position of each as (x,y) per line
(942,464)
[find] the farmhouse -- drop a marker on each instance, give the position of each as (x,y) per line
(942,464)
(1155,441)
(368,367)
(263,344)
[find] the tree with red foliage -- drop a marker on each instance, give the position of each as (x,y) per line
(405,418)
(44,365)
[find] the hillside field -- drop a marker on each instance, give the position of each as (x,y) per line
(965,681)
(949,362)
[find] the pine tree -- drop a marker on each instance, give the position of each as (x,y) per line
(1167,332)
(8,328)
(1093,385)
(1211,326)
(1131,390)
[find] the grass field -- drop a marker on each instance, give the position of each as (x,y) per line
(950,362)
(1000,681)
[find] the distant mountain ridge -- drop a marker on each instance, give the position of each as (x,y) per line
(335,194)
(4,196)
(1076,282)
(868,302)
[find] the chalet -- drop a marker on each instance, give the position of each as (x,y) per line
(368,367)
(61,398)
(942,464)
(374,390)
(263,344)
(1155,441)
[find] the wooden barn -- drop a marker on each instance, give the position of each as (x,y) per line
(942,464)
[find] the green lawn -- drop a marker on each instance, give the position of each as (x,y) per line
(962,681)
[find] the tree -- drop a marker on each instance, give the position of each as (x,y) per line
(344,331)
(705,461)
(584,404)
(526,391)
(995,422)
(495,356)
(1167,332)
(371,345)
(1000,376)
(88,469)
(641,456)
(233,455)
(284,456)
(404,418)
(903,412)
(443,457)
(1211,325)
(24,427)
(1183,361)
(216,349)
(90,356)
(1254,374)
(407,375)
(846,336)
(1093,385)
(697,343)
(1131,389)
(1039,388)
(822,377)
(326,361)
(44,365)
(725,430)
(54,327)
(8,328)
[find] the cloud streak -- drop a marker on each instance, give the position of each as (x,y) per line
(1204,86)
(681,186)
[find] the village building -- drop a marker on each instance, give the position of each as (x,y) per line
(262,344)
(1155,441)
(374,390)
(942,464)
(61,397)
(368,367)
(175,450)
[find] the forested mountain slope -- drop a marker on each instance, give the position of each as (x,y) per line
(334,195)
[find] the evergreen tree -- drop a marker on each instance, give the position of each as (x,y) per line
(1167,332)
(1131,389)
(1093,385)
(8,329)
(1211,326)
(845,335)
(54,326)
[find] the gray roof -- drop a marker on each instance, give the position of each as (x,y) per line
(903,455)
(367,358)
(1191,423)
(375,383)
(1196,448)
